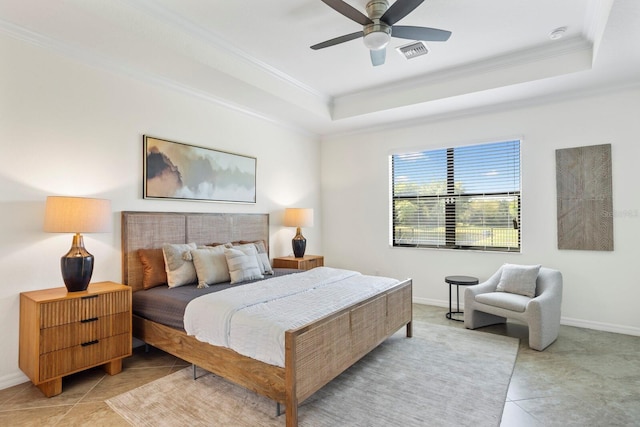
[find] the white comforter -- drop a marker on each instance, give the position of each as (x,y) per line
(252,319)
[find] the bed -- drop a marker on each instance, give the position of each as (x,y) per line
(314,353)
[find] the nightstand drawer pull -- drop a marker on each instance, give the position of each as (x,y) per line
(93,319)
(89,297)
(84,344)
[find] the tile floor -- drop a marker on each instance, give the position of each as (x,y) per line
(586,378)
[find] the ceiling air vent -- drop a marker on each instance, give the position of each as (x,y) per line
(413,50)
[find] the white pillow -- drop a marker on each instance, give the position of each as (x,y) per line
(261,255)
(519,279)
(242,266)
(211,266)
(179,264)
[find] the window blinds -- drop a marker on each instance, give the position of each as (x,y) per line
(462,198)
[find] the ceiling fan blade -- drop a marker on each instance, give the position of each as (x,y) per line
(348,11)
(337,40)
(420,33)
(378,56)
(399,10)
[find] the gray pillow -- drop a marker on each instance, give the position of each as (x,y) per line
(519,279)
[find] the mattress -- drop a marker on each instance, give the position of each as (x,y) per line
(251,320)
(167,305)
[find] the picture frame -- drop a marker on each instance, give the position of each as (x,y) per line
(178,171)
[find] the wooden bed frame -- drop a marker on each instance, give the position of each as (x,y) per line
(314,354)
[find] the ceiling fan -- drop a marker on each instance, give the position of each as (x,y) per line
(378,27)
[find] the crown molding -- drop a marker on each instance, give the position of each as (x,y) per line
(102,62)
(540,62)
(170,18)
(462,113)
(595,22)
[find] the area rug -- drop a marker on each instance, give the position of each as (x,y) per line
(442,376)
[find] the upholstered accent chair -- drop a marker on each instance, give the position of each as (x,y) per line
(529,293)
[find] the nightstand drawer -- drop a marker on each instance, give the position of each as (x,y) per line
(82,356)
(86,307)
(313,263)
(94,328)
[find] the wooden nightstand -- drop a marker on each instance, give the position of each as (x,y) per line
(65,332)
(307,262)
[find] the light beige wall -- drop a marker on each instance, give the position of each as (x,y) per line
(601,288)
(70,129)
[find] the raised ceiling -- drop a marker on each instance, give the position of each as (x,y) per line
(254,55)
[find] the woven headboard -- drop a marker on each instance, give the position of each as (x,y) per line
(148,230)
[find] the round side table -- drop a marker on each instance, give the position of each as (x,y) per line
(458,281)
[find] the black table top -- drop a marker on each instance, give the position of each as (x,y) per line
(461,280)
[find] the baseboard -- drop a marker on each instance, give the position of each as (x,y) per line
(568,321)
(601,326)
(12,379)
(434,302)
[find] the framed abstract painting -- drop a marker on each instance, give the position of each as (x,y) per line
(173,170)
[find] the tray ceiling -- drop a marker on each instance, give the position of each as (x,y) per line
(254,55)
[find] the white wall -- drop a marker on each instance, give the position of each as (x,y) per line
(601,289)
(70,129)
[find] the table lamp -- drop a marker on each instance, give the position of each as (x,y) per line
(298,217)
(77,215)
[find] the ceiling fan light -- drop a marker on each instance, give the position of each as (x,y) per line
(376,40)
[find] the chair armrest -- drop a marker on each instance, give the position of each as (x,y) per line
(550,299)
(488,285)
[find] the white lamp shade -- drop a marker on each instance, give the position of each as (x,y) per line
(298,217)
(77,215)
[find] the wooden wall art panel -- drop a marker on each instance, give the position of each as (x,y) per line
(584,198)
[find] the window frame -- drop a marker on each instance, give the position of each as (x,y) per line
(450,199)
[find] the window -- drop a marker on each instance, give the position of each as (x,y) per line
(457,198)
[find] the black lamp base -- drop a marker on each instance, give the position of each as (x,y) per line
(299,244)
(77,266)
